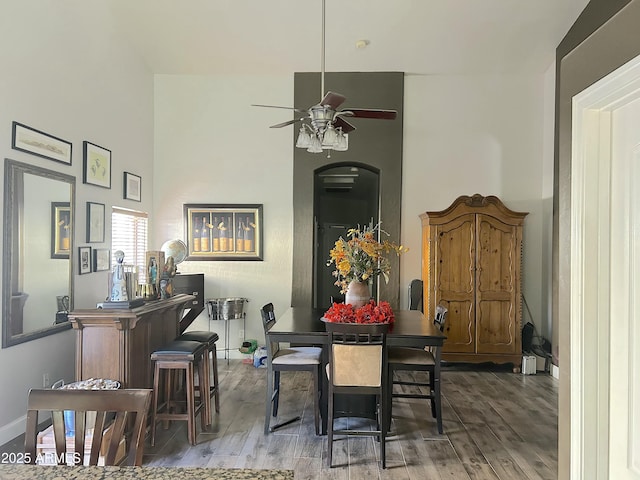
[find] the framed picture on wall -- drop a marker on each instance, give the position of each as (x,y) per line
(101,259)
(95,222)
(132,187)
(30,140)
(60,228)
(96,168)
(84,260)
(223,231)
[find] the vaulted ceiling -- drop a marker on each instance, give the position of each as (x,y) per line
(275,37)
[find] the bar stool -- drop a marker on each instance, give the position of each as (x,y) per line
(209,339)
(180,355)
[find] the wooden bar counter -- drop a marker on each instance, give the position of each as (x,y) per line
(117,343)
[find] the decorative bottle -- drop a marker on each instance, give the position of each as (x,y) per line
(224,238)
(215,233)
(118,280)
(204,236)
(240,238)
(196,236)
(248,236)
(65,237)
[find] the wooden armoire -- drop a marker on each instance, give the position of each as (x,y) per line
(471,264)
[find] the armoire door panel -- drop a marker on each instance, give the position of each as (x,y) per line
(455,256)
(496,256)
(460,327)
(496,285)
(455,281)
(495,327)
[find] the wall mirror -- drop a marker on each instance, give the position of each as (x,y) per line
(37,270)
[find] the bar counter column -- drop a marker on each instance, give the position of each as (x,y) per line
(117,343)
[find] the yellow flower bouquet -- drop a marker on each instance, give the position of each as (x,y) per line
(362,257)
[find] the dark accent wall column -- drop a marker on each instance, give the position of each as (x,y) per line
(603,38)
(375,142)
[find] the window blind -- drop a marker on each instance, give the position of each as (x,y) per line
(129,234)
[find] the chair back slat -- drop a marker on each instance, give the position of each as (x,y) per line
(113,409)
(268,321)
(95,445)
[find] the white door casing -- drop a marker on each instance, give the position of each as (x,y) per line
(605,258)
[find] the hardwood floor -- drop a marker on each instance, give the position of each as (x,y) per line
(498,425)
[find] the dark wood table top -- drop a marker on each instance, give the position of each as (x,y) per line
(411,328)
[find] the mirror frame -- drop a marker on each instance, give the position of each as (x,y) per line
(13,170)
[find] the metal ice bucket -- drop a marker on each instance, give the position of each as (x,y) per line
(226,308)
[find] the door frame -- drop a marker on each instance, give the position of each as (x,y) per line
(373,182)
(591,295)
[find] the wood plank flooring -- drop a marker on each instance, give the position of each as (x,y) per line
(497,425)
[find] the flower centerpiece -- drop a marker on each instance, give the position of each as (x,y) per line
(369,313)
(358,260)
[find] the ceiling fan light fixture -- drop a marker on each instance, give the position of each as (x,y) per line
(316,145)
(321,117)
(342,141)
(304,138)
(325,126)
(330,137)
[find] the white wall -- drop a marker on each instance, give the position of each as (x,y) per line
(212,146)
(474,134)
(65,71)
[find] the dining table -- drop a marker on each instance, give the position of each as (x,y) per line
(307,326)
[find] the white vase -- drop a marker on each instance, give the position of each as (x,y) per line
(358,294)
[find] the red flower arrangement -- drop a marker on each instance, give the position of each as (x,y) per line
(369,313)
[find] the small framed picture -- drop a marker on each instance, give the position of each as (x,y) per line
(101,258)
(30,140)
(132,187)
(97,165)
(60,229)
(95,222)
(84,260)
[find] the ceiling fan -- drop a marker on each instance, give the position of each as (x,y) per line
(324,126)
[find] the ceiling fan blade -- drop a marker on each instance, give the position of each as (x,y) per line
(300,110)
(334,100)
(284,124)
(370,113)
(342,123)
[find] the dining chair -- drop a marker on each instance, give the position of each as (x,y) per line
(115,412)
(419,360)
(288,359)
(357,366)
(415,295)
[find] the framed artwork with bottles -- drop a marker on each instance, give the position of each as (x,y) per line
(60,229)
(223,231)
